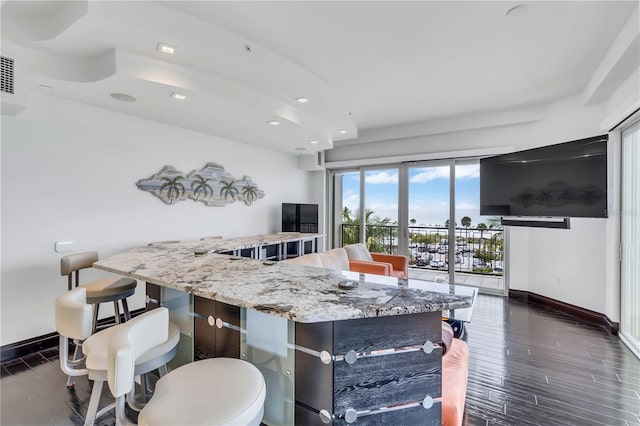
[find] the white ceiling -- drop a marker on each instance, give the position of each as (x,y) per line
(363,65)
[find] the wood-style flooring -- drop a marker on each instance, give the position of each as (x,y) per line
(527,366)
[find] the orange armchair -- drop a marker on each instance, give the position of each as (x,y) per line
(399,265)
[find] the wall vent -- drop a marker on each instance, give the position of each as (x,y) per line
(7,75)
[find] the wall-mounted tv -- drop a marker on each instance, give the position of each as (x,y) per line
(300,218)
(566,180)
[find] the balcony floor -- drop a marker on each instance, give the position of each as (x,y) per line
(490,283)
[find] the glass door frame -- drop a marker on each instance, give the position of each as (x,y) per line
(626,316)
(403,204)
(403,208)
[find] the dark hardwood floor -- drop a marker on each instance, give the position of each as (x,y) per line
(527,365)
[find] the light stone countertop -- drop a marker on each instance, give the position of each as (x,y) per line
(299,293)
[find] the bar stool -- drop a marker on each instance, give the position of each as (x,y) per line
(98,291)
(101,290)
(215,391)
(73,321)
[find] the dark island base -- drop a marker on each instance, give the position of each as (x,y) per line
(396,376)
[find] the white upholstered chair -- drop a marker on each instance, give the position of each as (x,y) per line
(74,320)
(215,391)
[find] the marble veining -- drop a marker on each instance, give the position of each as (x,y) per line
(298,293)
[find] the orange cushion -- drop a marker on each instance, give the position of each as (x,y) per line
(397,274)
(455,365)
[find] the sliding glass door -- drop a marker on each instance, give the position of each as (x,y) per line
(630,235)
(428,211)
(381,210)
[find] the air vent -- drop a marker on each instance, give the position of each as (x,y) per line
(7,75)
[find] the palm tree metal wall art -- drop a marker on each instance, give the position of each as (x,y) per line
(211,185)
(173,187)
(200,187)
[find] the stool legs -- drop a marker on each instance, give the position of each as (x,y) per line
(94,326)
(71,380)
(116,310)
(92,409)
(125,308)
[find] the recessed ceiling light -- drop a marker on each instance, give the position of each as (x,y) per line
(273,122)
(313,142)
(165,48)
(518,10)
(178,96)
(343,131)
(122,97)
(302,100)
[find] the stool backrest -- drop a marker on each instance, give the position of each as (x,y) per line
(129,342)
(74,316)
(74,262)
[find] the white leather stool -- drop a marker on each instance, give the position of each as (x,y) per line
(216,391)
(114,289)
(73,321)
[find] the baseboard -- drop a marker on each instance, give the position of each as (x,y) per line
(28,346)
(585,315)
(39,343)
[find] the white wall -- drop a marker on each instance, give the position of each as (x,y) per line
(69,173)
(567,265)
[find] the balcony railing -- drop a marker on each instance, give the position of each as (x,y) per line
(479,251)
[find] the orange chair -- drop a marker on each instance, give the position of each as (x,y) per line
(398,265)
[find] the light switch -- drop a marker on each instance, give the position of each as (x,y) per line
(64,246)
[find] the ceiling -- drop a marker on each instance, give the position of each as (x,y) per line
(362,65)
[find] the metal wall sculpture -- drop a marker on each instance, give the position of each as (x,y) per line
(211,185)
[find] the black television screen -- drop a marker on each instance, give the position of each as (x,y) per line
(567,180)
(300,218)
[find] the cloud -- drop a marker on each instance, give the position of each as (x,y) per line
(352,201)
(466,206)
(381,177)
(432,173)
(471,171)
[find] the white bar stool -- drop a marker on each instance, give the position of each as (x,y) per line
(215,391)
(73,321)
(114,289)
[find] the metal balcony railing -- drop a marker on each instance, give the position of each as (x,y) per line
(479,251)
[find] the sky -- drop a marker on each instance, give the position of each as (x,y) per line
(428,193)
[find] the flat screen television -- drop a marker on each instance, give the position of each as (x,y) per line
(300,218)
(563,180)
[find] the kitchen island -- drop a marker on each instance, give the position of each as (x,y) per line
(367,354)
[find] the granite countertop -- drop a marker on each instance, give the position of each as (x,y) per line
(299,293)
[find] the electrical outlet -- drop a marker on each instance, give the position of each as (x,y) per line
(63,246)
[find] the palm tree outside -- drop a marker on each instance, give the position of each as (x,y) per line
(482,227)
(466,222)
